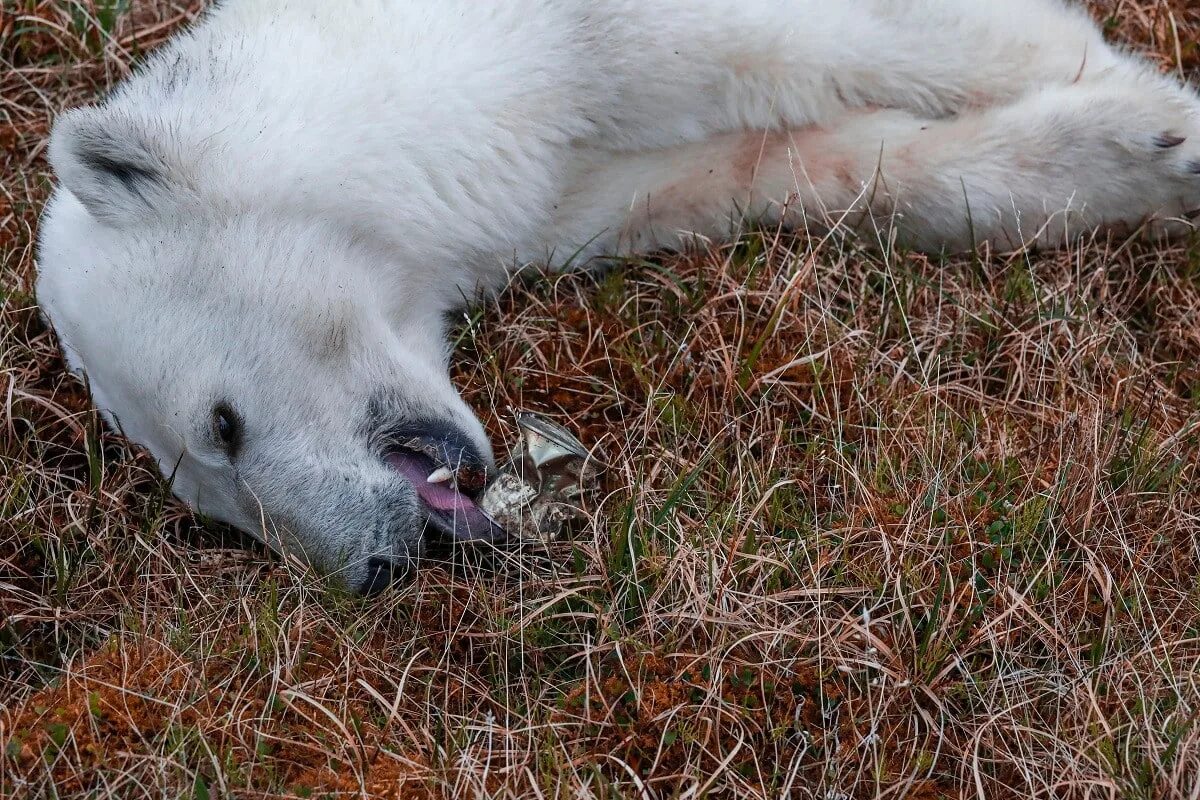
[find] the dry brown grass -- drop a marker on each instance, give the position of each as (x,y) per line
(877,526)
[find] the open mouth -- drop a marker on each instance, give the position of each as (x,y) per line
(448,487)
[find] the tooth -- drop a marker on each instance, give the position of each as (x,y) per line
(440,475)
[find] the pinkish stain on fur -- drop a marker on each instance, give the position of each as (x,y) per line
(751,170)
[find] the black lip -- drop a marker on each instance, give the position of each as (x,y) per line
(448,528)
(432,448)
(447,532)
(445,528)
(446,446)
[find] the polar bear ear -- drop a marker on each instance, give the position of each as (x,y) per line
(109,162)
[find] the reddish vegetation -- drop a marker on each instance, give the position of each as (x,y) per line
(876,524)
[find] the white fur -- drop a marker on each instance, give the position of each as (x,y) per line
(280,208)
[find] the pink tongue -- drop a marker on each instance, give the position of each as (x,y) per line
(438,496)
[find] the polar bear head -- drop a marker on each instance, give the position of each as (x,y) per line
(256,358)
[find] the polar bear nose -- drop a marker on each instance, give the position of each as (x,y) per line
(381,572)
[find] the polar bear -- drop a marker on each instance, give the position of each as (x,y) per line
(256,240)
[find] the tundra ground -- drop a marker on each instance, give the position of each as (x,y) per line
(876,525)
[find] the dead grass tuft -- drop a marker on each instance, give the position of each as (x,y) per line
(877,526)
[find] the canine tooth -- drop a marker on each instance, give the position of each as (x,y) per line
(440,475)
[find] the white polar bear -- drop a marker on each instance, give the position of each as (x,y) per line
(257,238)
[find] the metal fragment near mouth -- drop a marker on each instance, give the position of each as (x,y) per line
(539,489)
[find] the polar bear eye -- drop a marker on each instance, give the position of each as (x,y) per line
(227,426)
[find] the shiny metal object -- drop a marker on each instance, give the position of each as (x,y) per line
(540,488)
